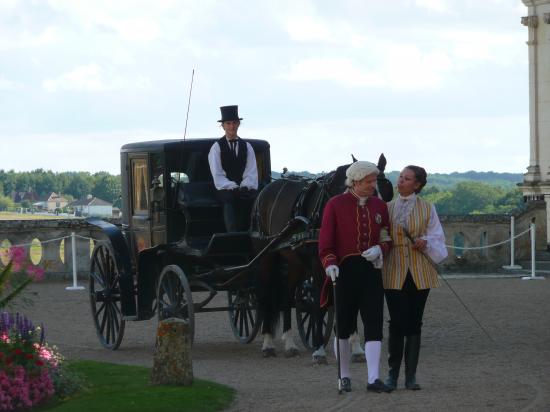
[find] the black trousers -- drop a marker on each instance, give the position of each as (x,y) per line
(359,289)
(406,307)
(237,206)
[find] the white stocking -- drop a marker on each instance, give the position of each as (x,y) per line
(372,354)
(344,357)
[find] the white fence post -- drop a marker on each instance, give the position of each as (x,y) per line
(533,276)
(73,252)
(512,245)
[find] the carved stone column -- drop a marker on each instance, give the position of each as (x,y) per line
(536,182)
(533,170)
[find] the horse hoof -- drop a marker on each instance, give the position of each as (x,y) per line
(358,358)
(292,353)
(269,353)
(319,360)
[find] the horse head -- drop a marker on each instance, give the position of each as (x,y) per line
(336,180)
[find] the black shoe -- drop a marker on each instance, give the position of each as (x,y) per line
(391,383)
(412,385)
(378,386)
(345,384)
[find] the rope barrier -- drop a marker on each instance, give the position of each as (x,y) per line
(88,238)
(41,241)
(489,246)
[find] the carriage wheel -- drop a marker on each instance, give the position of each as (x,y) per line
(244,316)
(105,296)
(174,298)
(307,303)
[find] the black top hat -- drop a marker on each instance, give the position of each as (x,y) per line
(229,113)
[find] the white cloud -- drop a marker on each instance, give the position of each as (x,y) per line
(440,6)
(396,66)
(307,28)
(6,84)
(93,78)
(342,71)
(10,40)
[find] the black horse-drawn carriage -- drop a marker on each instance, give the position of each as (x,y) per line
(172,243)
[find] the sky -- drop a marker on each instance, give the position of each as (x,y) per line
(438,83)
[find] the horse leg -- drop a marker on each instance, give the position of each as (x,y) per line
(291,278)
(267,305)
(291,350)
(319,355)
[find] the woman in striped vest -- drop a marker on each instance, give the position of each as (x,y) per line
(409,271)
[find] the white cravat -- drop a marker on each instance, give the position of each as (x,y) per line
(404,208)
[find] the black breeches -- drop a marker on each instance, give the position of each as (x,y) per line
(406,307)
(359,290)
(237,206)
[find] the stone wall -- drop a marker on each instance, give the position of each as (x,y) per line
(466,231)
(475,231)
(55,243)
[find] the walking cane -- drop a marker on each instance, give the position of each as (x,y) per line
(336,337)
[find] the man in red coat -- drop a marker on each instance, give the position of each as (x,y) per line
(353,240)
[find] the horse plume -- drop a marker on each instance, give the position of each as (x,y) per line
(382,163)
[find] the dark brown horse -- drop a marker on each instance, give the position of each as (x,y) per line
(292,274)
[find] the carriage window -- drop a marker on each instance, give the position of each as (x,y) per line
(176,177)
(140,190)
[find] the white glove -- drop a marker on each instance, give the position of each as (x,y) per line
(332,272)
(372,253)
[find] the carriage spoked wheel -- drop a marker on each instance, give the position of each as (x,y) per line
(174,297)
(307,305)
(105,297)
(244,316)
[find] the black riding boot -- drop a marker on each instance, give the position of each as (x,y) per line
(229,217)
(412,351)
(395,354)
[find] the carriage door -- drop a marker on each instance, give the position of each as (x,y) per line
(139,194)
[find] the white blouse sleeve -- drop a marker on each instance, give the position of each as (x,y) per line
(250,174)
(220,179)
(435,237)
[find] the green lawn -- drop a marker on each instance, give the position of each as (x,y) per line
(122,388)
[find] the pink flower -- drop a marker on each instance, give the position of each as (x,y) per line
(36,273)
(17,256)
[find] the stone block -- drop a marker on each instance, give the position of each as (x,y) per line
(172,361)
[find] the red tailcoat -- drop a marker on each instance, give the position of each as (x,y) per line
(349,229)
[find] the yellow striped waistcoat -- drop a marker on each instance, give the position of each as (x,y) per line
(402,257)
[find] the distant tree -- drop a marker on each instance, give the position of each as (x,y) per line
(6,202)
(9,181)
(80,185)
(107,187)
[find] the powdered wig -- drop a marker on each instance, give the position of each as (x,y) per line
(359,170)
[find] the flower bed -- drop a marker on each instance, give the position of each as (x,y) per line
(27,364)
(30,370)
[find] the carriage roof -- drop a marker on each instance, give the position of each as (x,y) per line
(188,144)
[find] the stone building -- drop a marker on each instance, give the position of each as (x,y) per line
(92,207)
(536,182)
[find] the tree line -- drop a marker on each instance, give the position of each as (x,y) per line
(72,185)
(453,194)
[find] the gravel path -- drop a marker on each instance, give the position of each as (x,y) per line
(460,367)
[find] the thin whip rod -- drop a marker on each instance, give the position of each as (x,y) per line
(189,104)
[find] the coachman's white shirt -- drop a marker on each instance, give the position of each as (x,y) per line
(250,174)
